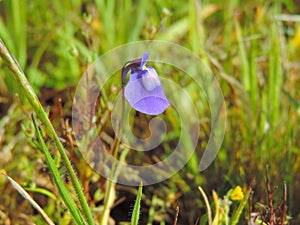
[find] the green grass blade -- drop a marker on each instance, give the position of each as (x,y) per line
(141,12)
(175,31)
(18,17)
(228,19)
(245,75)
(64,193)
(196,33)
(253,75)
(136,210)
(152,210)
(106,10)
(5,35)
(42,191)
(275,77)
(35,103)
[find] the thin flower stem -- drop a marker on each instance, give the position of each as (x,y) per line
(108,202)
(109,195)
(34,101)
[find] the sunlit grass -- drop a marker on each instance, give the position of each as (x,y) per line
(254,55)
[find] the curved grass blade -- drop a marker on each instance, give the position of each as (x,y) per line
(207,205)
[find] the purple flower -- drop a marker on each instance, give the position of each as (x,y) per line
(144,91)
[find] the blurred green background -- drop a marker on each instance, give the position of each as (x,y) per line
(253,48)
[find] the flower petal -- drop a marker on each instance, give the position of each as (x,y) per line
(137,75)
(149,102)
(150,79)
(237,194)
(144,59)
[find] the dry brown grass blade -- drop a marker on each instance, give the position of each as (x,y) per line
(176,216)
(29,199)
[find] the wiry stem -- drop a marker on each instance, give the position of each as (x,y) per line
(176,215)
(283,214)
(270,197)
